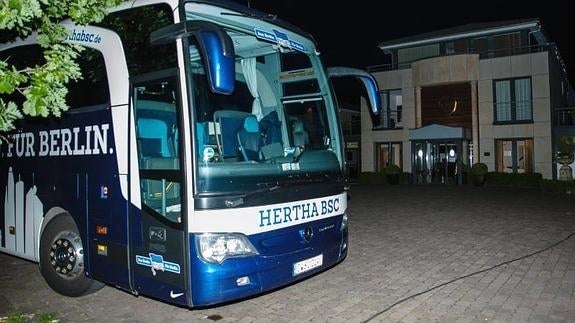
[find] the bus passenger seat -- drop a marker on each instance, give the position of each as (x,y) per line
(153,136)
(173,142)
(230,122)
(249,139)
(201,137)
(271,128)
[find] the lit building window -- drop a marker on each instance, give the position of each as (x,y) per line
(514,155)
(388,153)
(513,100)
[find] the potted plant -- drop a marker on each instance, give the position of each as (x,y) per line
(392,173)
(478,172)
(565,157)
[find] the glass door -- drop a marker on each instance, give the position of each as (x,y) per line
(437,162)
(158,236)
(450,150)
(420,163)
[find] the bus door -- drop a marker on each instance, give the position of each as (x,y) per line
(157,236)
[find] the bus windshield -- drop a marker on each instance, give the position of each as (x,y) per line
(272,130)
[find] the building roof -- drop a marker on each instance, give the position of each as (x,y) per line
(464,31)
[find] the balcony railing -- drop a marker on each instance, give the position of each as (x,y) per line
(492,53)
(390,120)
(564,117)
(351,127)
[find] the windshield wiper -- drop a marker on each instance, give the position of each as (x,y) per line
(267,16)
(237,201)
(335,179)
(267,188)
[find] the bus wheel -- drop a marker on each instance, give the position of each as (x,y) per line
(62,259)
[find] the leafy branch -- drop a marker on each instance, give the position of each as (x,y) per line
(41,90)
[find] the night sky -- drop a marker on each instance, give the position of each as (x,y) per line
(348,32)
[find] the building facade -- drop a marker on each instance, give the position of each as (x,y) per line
(496,93)
(350,119)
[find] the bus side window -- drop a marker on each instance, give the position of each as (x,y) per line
(92,89)
(155,111)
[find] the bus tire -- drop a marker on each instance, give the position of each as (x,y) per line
(62,258)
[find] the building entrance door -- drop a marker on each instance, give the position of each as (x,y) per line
(443,163)
(438,162)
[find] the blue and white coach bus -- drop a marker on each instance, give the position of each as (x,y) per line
(201,160)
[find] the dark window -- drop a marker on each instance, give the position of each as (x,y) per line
(294,61)
(355,124)
(506,44)
(308,125)
(461,46)
(392,106)
(456,47)
(480,45)
(301,87)
(134,27)
(409,55)
(22,57)
(92,88)
(497,45)
(208,102)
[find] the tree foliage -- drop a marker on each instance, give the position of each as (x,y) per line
(42,88)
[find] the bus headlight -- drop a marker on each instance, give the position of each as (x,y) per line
(217,247)
(344,221)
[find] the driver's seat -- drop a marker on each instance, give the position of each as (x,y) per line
(299,135)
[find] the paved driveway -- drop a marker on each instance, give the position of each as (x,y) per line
(404,240)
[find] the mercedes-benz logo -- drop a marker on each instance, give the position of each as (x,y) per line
(307,234)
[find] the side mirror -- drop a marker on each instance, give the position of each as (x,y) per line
(215,45)
(370,86)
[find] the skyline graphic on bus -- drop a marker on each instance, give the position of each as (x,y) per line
(22,217)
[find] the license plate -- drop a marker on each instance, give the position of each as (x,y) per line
(308,264)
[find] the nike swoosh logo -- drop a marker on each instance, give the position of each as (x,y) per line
(175,295)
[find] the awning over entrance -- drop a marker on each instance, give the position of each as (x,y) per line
(440,154)
(436,131)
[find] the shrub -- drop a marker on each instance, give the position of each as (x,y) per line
(372,178)
(515,179)
(479,169)
(381,177)
(392,169)
(405,178)
(554,186)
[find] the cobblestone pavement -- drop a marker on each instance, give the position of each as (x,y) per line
(404,240)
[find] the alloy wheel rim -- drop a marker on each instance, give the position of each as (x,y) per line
(67,255)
